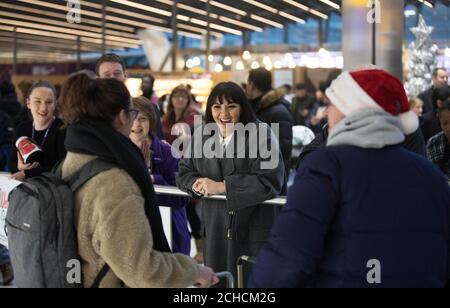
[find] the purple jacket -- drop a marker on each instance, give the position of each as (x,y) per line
(164,171)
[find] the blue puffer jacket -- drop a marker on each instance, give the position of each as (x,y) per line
(350,206)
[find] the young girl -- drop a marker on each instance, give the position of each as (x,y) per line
(164,168)
(44,129)
(416,106)
(241,224)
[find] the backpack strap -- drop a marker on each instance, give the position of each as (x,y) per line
(87,172)
(75,182)
(100,276)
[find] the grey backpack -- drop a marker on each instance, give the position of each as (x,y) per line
(41,231)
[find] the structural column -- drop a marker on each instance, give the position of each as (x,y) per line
(14,68)
(372,33)
(78,53)
(208,35)
(104,5)
(174,35)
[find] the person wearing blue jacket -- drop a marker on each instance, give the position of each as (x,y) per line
(163,165)
(363,211)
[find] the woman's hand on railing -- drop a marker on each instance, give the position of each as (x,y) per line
(208,187)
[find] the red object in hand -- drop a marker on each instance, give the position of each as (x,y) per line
(29,151)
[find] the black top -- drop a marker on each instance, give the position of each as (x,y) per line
(427,98)
(54,148)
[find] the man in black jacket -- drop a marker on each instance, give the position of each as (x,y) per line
(440,79)
(302,104)
(271,108)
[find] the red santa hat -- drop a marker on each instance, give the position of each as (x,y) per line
(373,89)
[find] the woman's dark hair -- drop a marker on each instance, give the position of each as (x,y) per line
(169,117)
(84,98)
(445,107)
(440,94)
(42,84)
(232,93)
(144,105)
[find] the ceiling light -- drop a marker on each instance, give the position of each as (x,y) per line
(267,21)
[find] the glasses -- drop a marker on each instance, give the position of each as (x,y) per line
(133,113)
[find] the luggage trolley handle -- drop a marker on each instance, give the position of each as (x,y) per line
(240,269)
(229,277)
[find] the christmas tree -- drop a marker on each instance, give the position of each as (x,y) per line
(423,59)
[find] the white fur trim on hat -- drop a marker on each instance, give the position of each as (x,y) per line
(346,94)
(409,121)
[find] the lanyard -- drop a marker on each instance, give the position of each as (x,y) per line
(45,135)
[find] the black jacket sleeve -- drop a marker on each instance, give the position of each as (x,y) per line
(416,143)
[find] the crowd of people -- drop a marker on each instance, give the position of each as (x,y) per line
(373,184)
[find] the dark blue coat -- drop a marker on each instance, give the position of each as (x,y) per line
(351,205)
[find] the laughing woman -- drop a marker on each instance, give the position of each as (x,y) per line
(44,129)
(241,225)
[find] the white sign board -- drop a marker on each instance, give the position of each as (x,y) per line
(6,186)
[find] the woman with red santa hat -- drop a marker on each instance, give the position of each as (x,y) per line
(365,212)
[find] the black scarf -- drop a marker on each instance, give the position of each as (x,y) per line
(100,139)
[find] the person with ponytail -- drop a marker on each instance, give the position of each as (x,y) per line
(116,214)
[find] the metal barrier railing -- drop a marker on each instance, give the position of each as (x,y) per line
(173,191)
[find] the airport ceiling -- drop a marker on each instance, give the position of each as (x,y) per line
(43,31)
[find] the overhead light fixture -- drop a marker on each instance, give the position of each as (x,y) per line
(266,60)
(241,24)
(426,3)
(196,61)
(332,4)
(410,13)
(269,66)
(198,22)
(255,65)
(246,55)
(143,7)
(211,58)
(317,13)
(218,68)
(278,64)
(306,9)
(289,57)
(226,29)
(293,18)
(447,52)
(61,16)
(190,63)
(228,61)
(292,65)
(262,6)
(226,7)
(267,21)
(240,66)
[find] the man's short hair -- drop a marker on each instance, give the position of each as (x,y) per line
(436,71)
(300,86)
(288,87)
(111,58)
(261,78)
